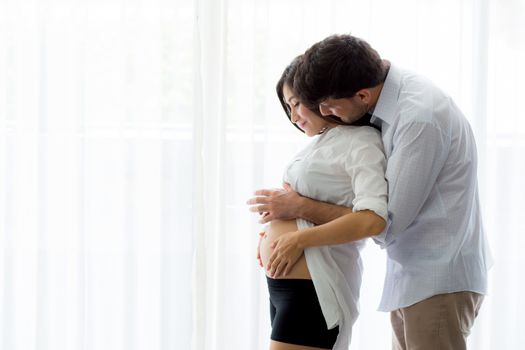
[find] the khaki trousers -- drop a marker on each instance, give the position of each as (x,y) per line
(440,322)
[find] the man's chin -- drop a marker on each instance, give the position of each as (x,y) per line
(336,119)
(350,120)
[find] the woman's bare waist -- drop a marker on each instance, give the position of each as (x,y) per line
(273,230)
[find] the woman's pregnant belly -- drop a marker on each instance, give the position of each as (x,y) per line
(274,230)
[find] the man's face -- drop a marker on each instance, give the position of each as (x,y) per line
(348,109)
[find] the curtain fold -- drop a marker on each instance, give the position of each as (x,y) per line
(209,190)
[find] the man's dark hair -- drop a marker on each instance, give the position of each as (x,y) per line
(337,67)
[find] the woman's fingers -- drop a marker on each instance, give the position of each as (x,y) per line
(287,270)
(276,265)
(273,260)
(284,255)
(282,265)
(267,217)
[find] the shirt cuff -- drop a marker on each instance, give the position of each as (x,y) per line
(384,239)
(378,206)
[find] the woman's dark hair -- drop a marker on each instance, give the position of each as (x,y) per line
(287,78)
(337,67)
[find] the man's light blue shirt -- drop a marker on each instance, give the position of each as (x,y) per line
(434,240)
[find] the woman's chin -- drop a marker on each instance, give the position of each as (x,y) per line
(309,133)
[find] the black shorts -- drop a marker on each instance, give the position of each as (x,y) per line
(296,314)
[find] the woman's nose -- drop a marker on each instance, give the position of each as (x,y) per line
(294,116)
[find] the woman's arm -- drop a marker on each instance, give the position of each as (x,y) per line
(348,228)
(365,165)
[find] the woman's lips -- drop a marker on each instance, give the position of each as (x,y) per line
(301,125)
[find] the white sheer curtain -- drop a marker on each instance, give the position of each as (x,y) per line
(132,132)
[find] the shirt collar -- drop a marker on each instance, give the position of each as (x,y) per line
(386,105)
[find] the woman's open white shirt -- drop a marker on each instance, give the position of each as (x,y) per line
(345,166)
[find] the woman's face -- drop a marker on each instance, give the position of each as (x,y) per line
(301,116)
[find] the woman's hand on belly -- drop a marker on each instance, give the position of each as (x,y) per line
(273,232)
(286,252)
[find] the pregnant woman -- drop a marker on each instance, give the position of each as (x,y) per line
(315,305)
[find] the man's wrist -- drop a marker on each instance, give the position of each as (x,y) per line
(302,207)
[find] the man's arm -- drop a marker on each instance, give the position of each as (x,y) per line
(413,167)
(287,204)
(321,212)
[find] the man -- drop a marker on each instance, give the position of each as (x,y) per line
(437,256)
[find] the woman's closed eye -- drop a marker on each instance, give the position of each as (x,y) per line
(293,104)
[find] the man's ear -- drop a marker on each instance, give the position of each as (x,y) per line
(364,95)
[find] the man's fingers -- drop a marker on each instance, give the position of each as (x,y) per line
(264,192)
(267,191)
(259,208)
(258,200)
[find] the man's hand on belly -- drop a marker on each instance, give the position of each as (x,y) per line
(278,203)
(286,252)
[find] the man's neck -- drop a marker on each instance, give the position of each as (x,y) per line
(374,94)
(376,90)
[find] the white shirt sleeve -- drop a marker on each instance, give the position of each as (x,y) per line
(366,165)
